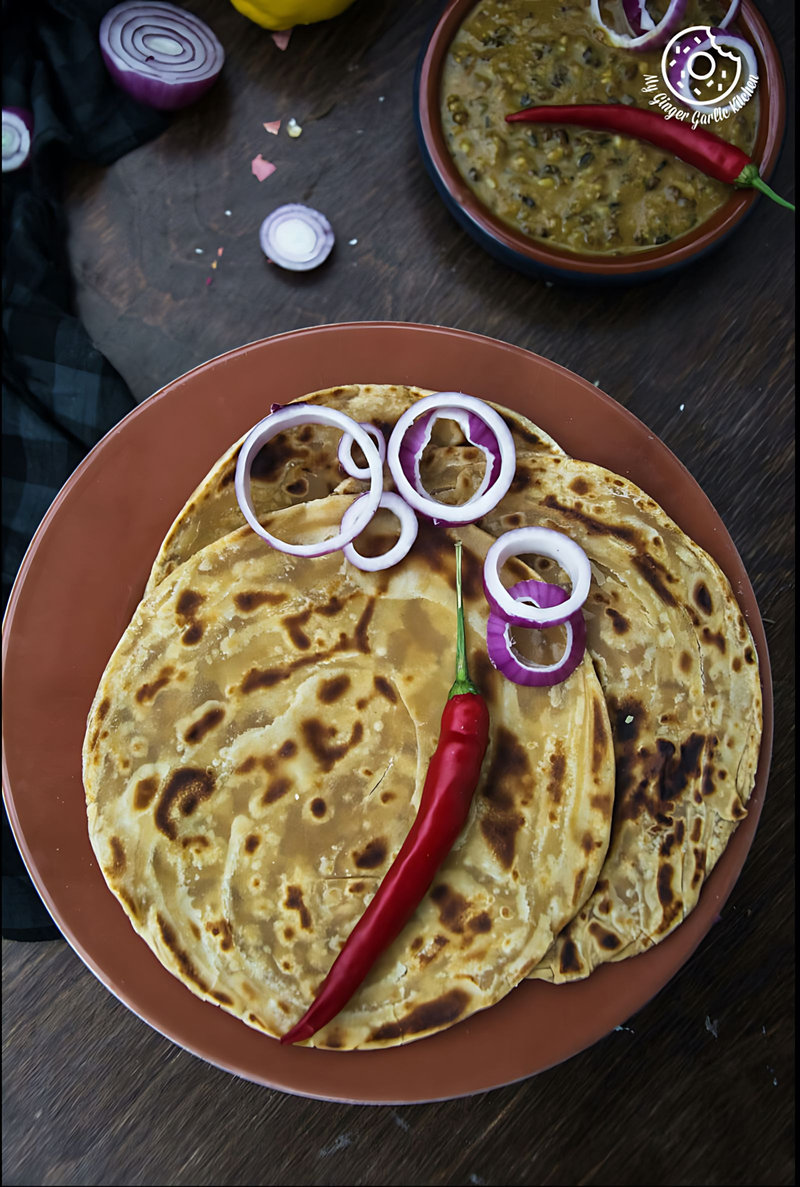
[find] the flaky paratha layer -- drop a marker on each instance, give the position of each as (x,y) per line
(254,758)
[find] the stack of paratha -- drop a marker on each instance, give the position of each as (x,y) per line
(257,746)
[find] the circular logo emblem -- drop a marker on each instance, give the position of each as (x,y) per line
(697,70)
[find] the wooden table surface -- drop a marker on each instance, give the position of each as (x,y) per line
(698,1086)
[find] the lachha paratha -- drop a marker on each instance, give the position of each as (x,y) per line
(253,761)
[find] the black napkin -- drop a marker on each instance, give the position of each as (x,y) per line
(60,395)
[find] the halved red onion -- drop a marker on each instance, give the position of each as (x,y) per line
(409,526)
(289,417)
(17,136)
(346,451)
(162,55)
(681,52)
(296,237)
(540,542)
(652,37)
(482,426)
(501,649)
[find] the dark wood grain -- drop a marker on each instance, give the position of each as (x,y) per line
(698,1087)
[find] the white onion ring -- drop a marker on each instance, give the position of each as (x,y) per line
(289,417)
(409,526)
(493,486)
(543,542)
(501,649)
(651,38)
(346,451)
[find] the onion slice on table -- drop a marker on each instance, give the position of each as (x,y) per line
(409,526)
(651,37)
(481,425)
(17,136)
(296,237)
(161,55)
(346,451)
(289,417)
(541,542)
(501,649)
(682,52)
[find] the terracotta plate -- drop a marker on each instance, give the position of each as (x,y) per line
(76,591)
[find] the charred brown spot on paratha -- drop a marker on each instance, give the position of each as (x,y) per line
(580,486)
(198,729)
(117,856)
(508,778)
(605,939)
(251,599)
(222,998)
(749,655)
(276,789)
(619,622)
(385,688)
(186,788)
(295,902)
(702,598)
(453,907)
(271,459)
(144,792)
(557,773)
(197,842)
(252,842)
(319,739)
(318,807)
(184,960)
(569,961)
(294,624)
(148,692)
(483,672)
(670,904)
(600,739)
(482,922)
(657,576)
(188,604)
(594,526)
(372,855)
(714,639)
(333,689)
(193,634)
(222,928)
(432,1015)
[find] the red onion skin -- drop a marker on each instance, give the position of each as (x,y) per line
(159,93)
(544,594)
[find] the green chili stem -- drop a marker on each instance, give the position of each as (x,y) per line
(462,682)
(750,176)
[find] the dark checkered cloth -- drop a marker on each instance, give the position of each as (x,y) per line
(59,394)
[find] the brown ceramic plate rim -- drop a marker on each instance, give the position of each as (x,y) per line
(81,580)
(772,97)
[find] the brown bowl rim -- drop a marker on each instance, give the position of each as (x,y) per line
(771,124)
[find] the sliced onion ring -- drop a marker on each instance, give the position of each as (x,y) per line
(482,425)
(17,135)
(160,54)
(346,451)
(651,38)
(409,526)
(542,542)
(637,16)
(296,237)
(289,417)
(501,650)
(717,39)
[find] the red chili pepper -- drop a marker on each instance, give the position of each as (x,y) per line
(446,797)
(707,152)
